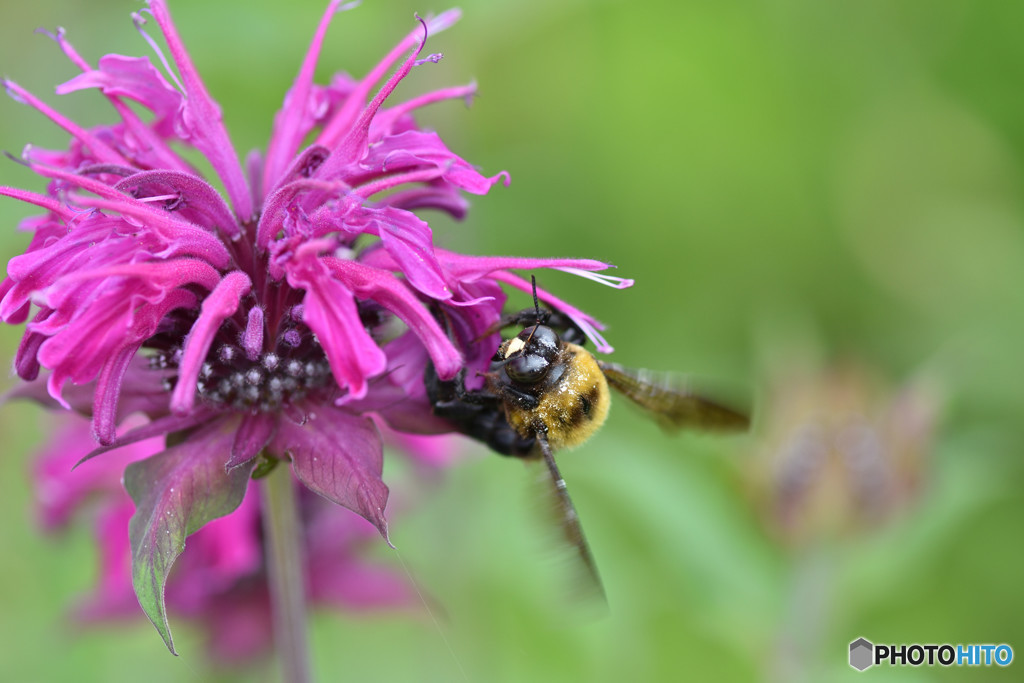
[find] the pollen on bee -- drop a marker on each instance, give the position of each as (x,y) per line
(515,345)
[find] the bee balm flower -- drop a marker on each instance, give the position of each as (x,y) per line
(265,324)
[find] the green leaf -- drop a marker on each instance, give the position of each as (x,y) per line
(176,492)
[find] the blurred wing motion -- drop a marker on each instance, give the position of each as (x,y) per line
(672,404)
(587,583)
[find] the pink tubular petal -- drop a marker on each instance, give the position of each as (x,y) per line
(351,147)
(195,240)
(77,350)
(345,118)
(66,47)
(108,392)
(443,198)
(181,237)
(408,240)
(162,274)
(392,181)
(254,171)
(288,124)
(134,78)
(340,457)
(48,203)
(330,312)
(386,119)
(222,303)
(389,292)
(196,194)
(202,119)
(412,150)
(100,149)
(470,268)
(590,325)
(26,361)
(276,208)
(149,148)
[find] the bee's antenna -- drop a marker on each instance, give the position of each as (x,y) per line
(536,302)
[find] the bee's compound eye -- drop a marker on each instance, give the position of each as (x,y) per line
(528,368)
(540,340)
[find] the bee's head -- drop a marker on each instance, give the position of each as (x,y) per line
(529,356)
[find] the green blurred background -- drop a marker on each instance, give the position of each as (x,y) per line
(790,182)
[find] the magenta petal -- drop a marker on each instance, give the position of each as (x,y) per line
(409,240)
(201,119)
(329,310)
(196,196)
(77,351)
(340,457)
(253,435)
(108,392)
(48,203)
(159,275)
(99,149)
(387,119)
(413,149)
(26,360)
(177,492)
(193,239)
(470,268)
(442,197)
(345,118)
(296,116)
(222,302)
(137,79)
(352,145)
(388,291)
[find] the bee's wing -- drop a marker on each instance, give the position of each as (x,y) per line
(587,584)
(669,400)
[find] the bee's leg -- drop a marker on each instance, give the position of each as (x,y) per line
(520,398)
(567,517)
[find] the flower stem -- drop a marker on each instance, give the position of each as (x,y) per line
(286,569)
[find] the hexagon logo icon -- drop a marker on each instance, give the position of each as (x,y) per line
(861,654)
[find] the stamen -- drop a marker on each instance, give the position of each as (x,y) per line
(139,22)
(600,278)
(159,198)
(431,58)
(65,47)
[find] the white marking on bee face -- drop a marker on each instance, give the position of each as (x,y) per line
(515,345)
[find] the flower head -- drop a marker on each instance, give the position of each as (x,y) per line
(268,322)
(839,455)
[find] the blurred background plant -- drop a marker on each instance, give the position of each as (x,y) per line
(762,169)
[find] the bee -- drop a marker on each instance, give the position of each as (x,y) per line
(544,393)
